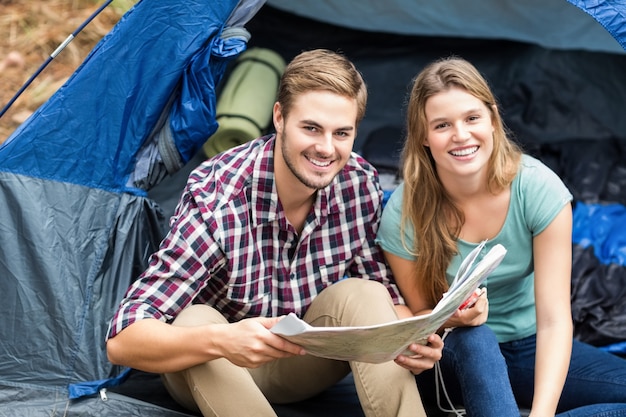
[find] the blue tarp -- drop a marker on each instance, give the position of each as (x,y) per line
(603,227)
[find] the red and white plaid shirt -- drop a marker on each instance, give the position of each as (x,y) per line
(230,245)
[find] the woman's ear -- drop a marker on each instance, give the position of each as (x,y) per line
(494,110)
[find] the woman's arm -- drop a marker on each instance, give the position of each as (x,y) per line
(552,252)
(404,275)
(403,272)
(424,356)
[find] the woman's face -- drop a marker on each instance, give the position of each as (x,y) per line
(460,133)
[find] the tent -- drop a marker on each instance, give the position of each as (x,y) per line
(87,183)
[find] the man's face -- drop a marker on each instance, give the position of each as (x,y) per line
(315,139)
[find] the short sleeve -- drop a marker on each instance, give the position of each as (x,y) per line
(543,194)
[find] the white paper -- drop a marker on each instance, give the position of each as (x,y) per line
(384,342)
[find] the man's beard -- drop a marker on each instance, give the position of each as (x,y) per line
(308,182)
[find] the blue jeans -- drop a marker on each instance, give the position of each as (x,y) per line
(474,375)
(488,379)
(595,385)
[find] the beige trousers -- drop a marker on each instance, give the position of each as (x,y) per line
(222,389)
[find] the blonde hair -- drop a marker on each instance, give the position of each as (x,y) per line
(426,206)
(321,69)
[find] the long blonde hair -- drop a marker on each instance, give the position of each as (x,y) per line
(426,206)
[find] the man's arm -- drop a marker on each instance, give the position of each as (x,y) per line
(154,346)
(140,335)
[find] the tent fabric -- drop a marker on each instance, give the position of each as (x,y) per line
(75,223)
(133,85)
(610,14)
(40,401)
(549,96)
(553,24)
(85,182)
(72,243)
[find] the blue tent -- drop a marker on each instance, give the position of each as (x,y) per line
(76,223)
(77,217)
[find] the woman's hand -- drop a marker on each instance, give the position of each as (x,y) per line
(473,315)
(424,356)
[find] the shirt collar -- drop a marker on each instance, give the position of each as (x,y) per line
(264,197)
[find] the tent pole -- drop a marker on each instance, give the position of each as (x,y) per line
(52,56)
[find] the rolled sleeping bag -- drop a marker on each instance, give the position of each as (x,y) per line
(244,107)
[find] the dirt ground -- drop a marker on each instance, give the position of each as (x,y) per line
(30,31)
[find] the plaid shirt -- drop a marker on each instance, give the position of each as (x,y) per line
(230,245)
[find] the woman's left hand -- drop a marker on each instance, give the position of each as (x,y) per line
(424,357)
(475,315)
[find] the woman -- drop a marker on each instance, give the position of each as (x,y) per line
(465,181)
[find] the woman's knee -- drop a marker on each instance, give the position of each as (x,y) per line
(472,341)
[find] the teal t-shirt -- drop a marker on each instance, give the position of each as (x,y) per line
(537,196)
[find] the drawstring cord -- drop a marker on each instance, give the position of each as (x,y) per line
(439,384)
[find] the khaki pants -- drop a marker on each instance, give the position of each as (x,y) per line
(219,388)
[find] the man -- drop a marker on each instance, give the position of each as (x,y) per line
(271,227)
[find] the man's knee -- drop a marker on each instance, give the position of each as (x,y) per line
(198,315)
(359,288)
(352,302)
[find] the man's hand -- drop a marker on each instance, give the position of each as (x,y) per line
(249,343)
(424,356)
